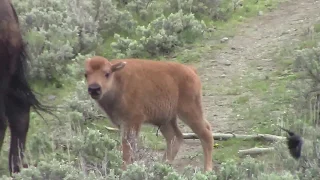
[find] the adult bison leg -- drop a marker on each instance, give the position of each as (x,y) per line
(3,128)
(174,138)
(190,111)
(130,133)
(3,123)
(18,116)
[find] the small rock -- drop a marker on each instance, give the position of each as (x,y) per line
(227,63)
(233,48)
(284,33)
(211,29)
(223,75)
(225,39)
(51,97)
(260,13)
(259,68)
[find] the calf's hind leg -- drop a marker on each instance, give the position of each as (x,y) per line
(190,112)
(173,137)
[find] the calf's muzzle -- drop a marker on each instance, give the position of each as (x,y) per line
(94,90)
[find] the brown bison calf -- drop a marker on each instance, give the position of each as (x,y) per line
(134,91)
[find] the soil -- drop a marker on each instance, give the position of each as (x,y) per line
(253,42)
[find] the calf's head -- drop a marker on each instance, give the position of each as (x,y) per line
(99,74)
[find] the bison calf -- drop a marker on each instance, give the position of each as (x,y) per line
(135,91)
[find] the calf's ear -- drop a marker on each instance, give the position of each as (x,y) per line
(118,66)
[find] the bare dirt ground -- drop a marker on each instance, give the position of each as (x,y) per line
(251,44)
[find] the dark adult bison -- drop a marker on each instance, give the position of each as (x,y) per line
(16,96)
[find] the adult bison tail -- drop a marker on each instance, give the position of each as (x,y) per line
(21,89)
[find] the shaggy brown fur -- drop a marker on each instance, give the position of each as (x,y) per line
(134,91)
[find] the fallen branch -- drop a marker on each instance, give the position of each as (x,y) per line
(221,136)
(255,151)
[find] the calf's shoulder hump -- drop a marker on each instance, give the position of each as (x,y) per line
(157,66)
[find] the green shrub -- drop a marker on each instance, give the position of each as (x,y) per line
(160,171)
(146,10)
(97,150)
(50,170)
(57,30)
(160,37)
(80,102)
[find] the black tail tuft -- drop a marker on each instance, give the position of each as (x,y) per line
(294,143)
(21,89)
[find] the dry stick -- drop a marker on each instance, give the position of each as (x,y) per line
(111,128)
(222,136)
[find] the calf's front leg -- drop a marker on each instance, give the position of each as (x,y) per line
(129,136)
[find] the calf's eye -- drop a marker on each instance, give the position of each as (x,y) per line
(107,75)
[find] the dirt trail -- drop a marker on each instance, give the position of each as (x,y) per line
(252,42)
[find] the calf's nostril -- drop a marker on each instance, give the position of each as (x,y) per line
(94,90)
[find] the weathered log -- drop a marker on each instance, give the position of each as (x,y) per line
(255,151)
(222,136)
